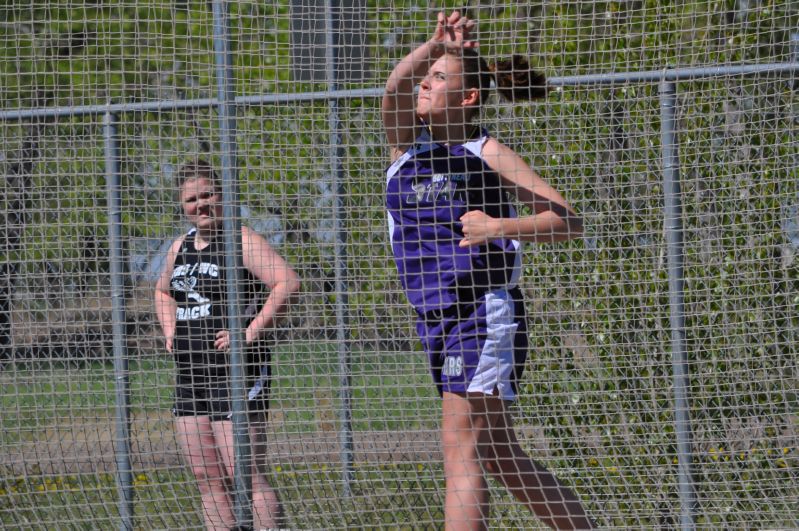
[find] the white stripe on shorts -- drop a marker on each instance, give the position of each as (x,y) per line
(495,367)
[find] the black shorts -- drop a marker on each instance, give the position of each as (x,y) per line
(211,396)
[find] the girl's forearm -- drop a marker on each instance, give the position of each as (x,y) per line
(546,227)
(413,67)
(165,310)
(279,298)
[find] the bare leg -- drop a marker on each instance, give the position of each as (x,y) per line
(196,439)
(266,502)
(467,500)
(532,484)
(266,508)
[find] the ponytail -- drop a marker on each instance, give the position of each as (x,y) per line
(515,80)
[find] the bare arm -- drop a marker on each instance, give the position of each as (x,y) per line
(270,268)
(165,305)
(398,106)
(553,219)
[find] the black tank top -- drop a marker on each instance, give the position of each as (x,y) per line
(198,286)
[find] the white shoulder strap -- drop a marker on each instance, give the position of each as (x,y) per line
(422,144)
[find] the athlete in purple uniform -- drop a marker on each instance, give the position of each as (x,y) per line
(190,300)
(456,241)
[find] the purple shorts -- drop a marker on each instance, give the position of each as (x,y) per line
(477,347)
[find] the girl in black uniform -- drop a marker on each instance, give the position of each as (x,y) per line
(190,300)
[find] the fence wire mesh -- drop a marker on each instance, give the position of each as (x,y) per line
(596,403)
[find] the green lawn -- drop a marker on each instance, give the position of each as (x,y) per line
(45,407)
(407,496)
(48,402)
(387,391)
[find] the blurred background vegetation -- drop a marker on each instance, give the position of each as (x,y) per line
(598,387)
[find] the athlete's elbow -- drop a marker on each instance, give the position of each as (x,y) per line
(390,95)
(395,85)
(569,224)
(161,296)
(294,285)
(573,225)
(291,286)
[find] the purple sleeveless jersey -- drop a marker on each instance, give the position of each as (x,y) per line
(429,188)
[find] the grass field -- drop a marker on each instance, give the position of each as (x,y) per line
(388,392)
(57,459)
(48,406)
(389,496)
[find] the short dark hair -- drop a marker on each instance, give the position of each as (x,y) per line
(197,169)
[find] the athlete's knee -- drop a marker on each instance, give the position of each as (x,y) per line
(459,446)
(208,477)
(461,461)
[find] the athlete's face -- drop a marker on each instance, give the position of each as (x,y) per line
(441,97)
(202,203)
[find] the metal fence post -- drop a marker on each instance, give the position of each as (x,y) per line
(242,476)
(674,244)
(124,474)
(340,250)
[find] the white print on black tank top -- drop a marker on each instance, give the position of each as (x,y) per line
(184,279)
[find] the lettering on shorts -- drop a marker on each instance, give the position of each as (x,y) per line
(453,366)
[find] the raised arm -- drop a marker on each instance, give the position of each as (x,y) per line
(270,268)
(398,106)
(553,219)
